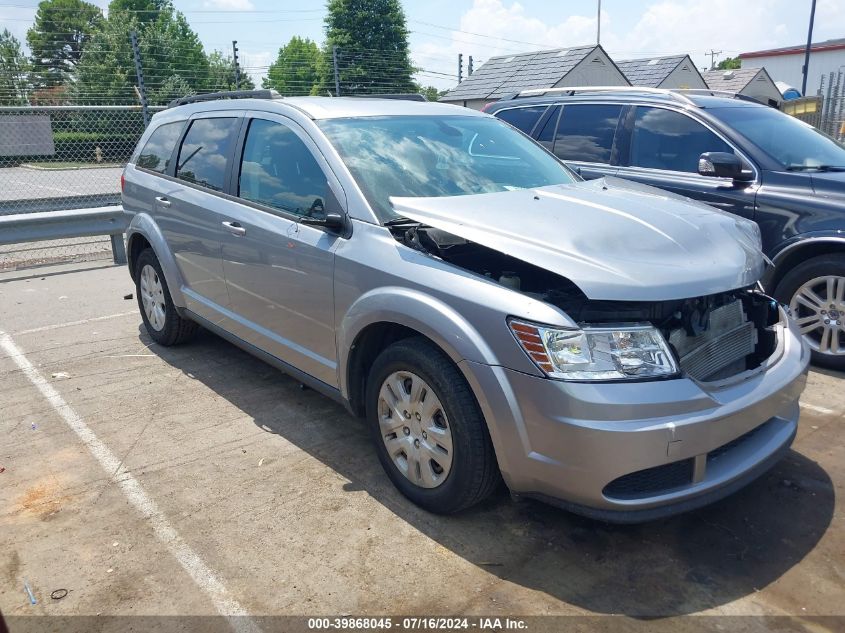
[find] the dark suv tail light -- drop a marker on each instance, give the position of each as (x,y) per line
(122,182)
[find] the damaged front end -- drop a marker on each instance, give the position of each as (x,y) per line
(711,338)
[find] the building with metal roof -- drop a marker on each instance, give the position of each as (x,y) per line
(785,64)
(560,67)
(676,71)
(751,82)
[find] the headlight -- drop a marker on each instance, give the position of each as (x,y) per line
(636,350)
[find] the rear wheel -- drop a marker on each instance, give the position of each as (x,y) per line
(815,294)
(162,322)
(430,435)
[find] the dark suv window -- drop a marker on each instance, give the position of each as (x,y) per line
(522,118)
(159,148)
(664,139)
(202,157)
(585,132)
(280,171)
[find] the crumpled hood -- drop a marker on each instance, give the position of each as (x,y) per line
(614,239)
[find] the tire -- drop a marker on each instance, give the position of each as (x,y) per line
(164,326)
(473,473)
(824,277)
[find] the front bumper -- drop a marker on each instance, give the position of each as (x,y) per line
(629,452)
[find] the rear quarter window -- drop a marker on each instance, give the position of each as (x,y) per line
(158,149)
(522,118)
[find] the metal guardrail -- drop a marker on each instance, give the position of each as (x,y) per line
(53,225)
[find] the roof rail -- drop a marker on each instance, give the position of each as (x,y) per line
(717,93)
(586,89)
(228,94)
(401,96)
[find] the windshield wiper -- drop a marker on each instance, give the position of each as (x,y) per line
(400,221)
(815,167)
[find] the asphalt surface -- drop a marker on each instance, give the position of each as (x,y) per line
(197,480)
(26,183)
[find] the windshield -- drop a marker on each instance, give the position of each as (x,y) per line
(434,156)
(792,143)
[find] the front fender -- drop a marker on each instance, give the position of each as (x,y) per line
(419,311)
(143,224)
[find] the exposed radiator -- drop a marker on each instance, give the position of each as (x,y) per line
(729,338)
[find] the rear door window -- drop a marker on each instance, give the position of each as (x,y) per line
(159,147)
(278,170)
(585,132)
(205,152)
(522,118)
(665,139)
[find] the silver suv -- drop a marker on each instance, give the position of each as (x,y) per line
(601,345)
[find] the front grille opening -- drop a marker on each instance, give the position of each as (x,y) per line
(651,481)
(724,449)
(724,336)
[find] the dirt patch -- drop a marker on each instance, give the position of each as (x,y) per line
(43,500)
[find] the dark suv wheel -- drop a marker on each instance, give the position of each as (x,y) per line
(430,434)
(815,294)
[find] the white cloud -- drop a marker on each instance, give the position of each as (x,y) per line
(658,27)
(229,5)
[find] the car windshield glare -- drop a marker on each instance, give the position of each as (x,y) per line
(792,143)
(435,156)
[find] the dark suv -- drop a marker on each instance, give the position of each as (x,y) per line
(731,153)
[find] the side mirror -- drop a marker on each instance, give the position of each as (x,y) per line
(331,221)
(722,165)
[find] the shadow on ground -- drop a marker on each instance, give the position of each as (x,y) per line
(682,565)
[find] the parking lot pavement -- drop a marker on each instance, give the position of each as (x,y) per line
(196,480)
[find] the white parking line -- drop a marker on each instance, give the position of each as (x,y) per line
(817,409)
(55,326)
(202,575)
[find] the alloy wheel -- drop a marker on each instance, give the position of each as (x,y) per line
(818,308)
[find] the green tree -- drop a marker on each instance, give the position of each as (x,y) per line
(221,74)
(430,92)
(295,70)
(144,11)
(56,39)
(172,58)
(371,37)
(729,63)
(13,71)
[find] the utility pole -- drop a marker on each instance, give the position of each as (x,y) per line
(460,67)
(713,54)
(139,73)
(806,67)
(237,67)
(469,66)
(598,24)
(336,75)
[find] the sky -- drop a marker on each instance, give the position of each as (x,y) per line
(440,29)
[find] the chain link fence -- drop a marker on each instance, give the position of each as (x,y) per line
(832,117)
(63,157)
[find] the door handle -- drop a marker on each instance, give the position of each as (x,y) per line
(162,201)
(234,228)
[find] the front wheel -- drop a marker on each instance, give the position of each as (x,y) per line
(815,294)
(429,432)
